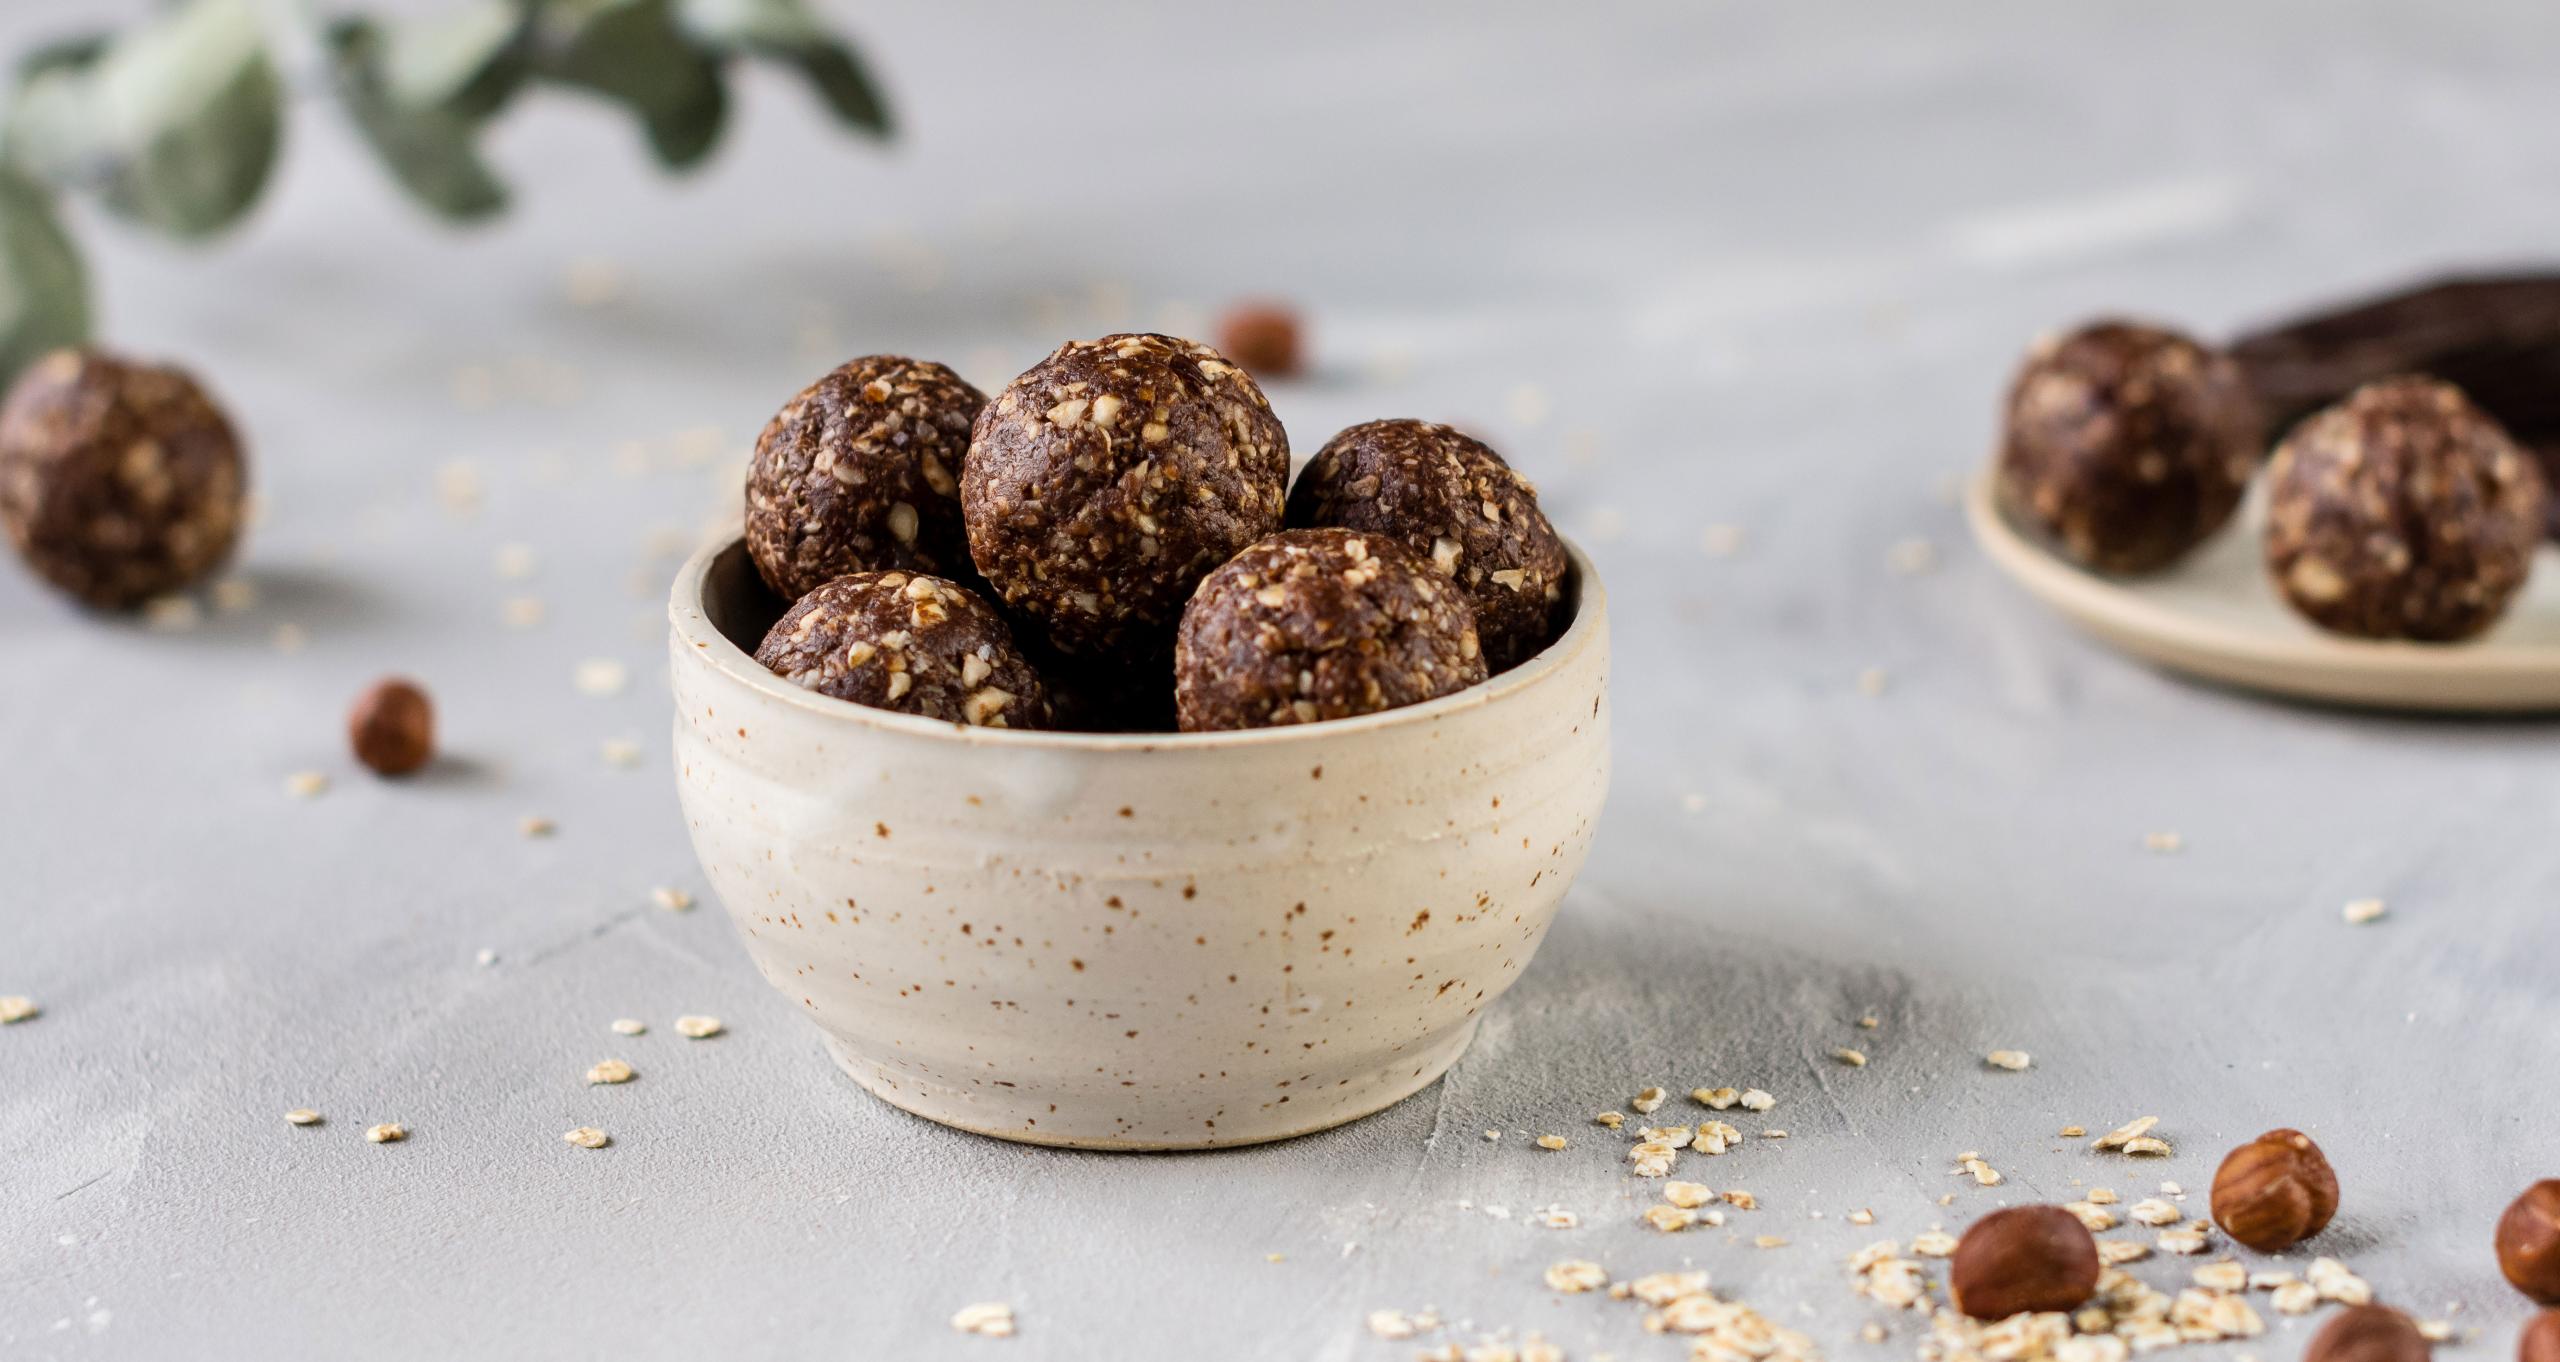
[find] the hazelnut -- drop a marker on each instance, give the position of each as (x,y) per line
(1263,337)
(2368,1333)
(2275,1191)
(2541,1339)
(392,727)
(2025,1258)
(2529,1242)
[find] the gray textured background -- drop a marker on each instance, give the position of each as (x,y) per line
(1755,265)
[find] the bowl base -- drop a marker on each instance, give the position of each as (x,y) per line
(981,1112)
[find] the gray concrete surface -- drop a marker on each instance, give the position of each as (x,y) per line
(1752,265)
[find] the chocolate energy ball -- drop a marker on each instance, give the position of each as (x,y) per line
(1321,624)
(1103,484)
(861,473)
(2127,445)
(118,481)
(2402,512)
(911,643)
(1450,498)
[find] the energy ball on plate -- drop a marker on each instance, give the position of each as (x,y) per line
(861,473)
(1451,499)
(1321,624)
(119,481)
(2127,445)
(2402,512)
(911,643)
(1104,483)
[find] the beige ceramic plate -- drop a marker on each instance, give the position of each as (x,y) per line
(2217,616)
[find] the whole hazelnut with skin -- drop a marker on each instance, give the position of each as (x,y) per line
(2368,1333)
(2541,1339)
(2275,1191)
(2021,1260)
(1263,337)
(392,727)
(2529,1242)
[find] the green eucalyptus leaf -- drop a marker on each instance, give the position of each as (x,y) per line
(785,31)
(634,53)
(64,53)
(44,293)
(430,147)
(174,125)
(467,59)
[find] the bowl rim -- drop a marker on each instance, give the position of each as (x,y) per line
(697,636)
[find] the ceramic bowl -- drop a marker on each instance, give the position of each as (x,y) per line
(1136,941)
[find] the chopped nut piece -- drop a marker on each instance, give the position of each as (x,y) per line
(1574,1276)
(698,1028)
(1492,1135)
(1391,1324)
(2222,1276)
(588,1137)
(610,1071)
(2096,1217)
(1862,1217)
(2117,1138)
(987,1319)
(2073,1132)
(389,1132)
(1551,1142)
(2186,1241)
(2153,1211)
(1611,1119)
(2012,1060)
(302,1116)
(602,676)
(2334,1282)
(1855,1059)
(1669,1219)
(1740,1200)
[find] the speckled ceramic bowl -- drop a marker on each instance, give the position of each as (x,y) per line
(1136,941)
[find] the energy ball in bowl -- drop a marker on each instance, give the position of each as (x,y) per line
(2402,512)
(119,481)
(1310,625)
(861,473)
(1104,483)
(910,643)
(2127,445)
(1451,499)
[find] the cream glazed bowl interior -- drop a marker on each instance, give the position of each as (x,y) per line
(1136,941)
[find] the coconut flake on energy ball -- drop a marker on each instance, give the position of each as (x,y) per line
(1107,480)
(1453,501)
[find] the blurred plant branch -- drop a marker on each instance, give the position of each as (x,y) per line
(175,124)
